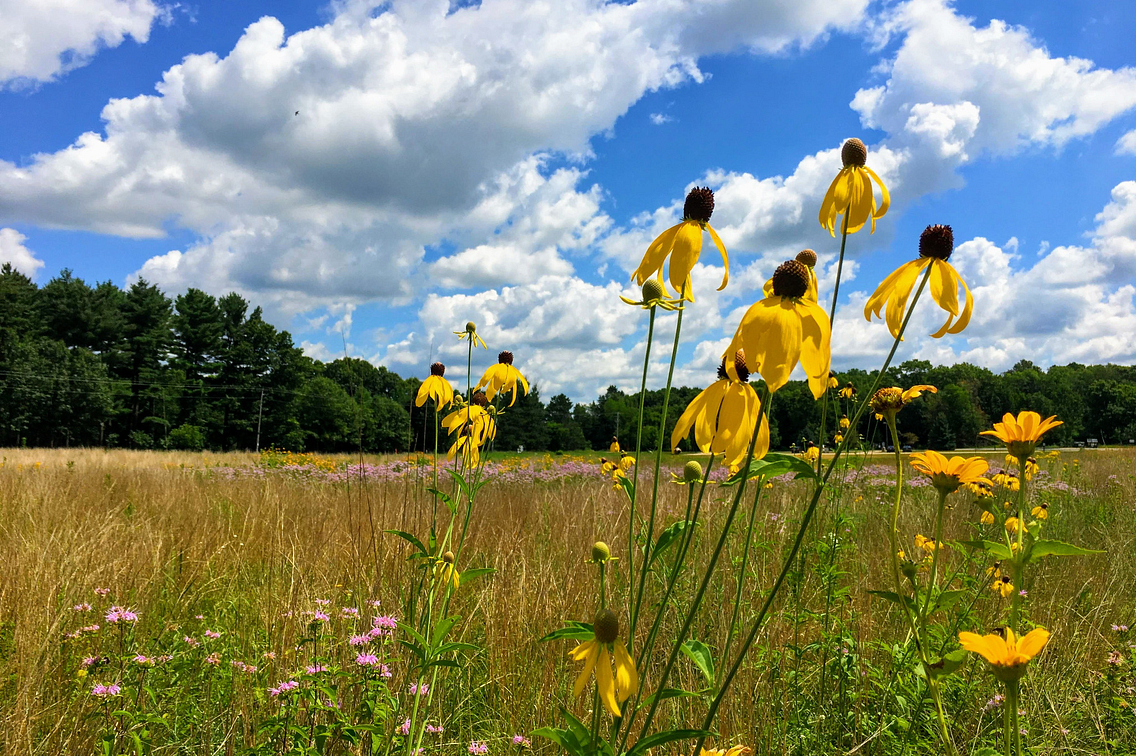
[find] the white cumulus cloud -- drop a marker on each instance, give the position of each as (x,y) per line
(12,250)
(42,39)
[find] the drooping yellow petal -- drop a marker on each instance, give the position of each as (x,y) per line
(1033,642)
(588,651)
(687,418)
(626,676)
(885,197)
(816,351)
(605,683)
(827,215)
(990,647)
(770,334)
(725,258)
(684,256)
(655,255)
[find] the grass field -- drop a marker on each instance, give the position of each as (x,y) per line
(226,558)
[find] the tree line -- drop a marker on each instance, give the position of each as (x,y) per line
(85,365)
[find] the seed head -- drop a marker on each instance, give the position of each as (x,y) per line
(652,290)
(448,557)
(606,626)
(791,279)
(692,471)
(854,152)
(505,358)
(808,257)
(479,399)
(937,242)
(887,400)
(438,369)
(699,205)
(739,367)
(601,552)
(471,327)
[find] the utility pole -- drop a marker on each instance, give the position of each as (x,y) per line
(259,415)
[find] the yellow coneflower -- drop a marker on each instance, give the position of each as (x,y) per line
(935,247)
(1031,468)
(808,258)
(987,518)
(850,193)
(844,422)
(784,329)
(1003,586)
(737,750)
(723,416)
(474,425)
(1009,482)
(888,401)
(597,655)
(832,382)
(928,545)
(683,244)
(838,439)
(470,332)
(445,571)
(614,446)
(812,453)
(1009,655)
(1013,525)
(626,462)
(436,388)
(502,377)
(1020,434)
(848,391)
(1041,511)
(948,475)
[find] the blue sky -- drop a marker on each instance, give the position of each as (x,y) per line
(508,163)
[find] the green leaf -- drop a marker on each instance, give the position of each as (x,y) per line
(666,736)
(949,664)
(772,465)
(409,537)
(666,539)
(453,646)
(445,497)
(413,634)
(699,653)
(997,550)
(947,599)
(470,575)
(1058,548)
(443,628)
(575,630)
(562,738)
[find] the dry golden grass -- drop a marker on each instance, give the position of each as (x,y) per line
(174,540)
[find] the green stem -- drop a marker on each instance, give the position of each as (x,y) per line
(1012,735)
(742,572)
(717,701)
(661,442)
(635,487)
(831,319)
(696,604)
(1016,601)
(934,562)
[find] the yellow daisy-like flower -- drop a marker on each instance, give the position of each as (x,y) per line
(1003,586)
(470,332)
(784,329)
(682,243)
(928,545)
(445,571)
(847,392)
(723,416)
(737,750)
(844,422)
(597,655)
(1041,511)
(504,378)
(948,475)
(1013,525)
(626,462)
(436,388)
(850,193)
(811,454)
(808,258)
(1009,655)
(1031,468)
(888,401)
(614,447)
(838,439)
(1020,434)
(1009,482)
(987,518)
(474,425)
(832,382)
(935,247)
